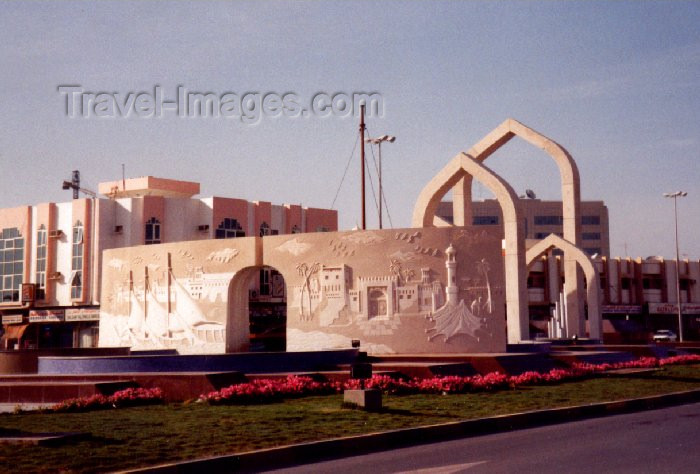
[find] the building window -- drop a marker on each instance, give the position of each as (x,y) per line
(152,231)
(536,280)
(592,250)
(264,229)
(76,282)
(229,229)
(685,283)
(41,263)
(549,220)
(590,236)
(626,283)
(652,282)
(541,235)
(264,282)
(590,220)
(485,220)
(12,249)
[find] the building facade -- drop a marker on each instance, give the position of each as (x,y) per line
(52,252)
(638,296)
(541,218)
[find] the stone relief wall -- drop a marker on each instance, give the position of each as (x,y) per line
(394,290)
(172,296)
(397,291)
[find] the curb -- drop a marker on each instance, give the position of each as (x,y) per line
(315,451)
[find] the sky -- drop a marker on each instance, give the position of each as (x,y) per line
(616,83)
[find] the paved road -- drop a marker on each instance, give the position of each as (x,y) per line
(657,441)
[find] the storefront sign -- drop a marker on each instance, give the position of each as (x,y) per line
(28,292)
(12,319)
(82,314)
(672,308)
(622,308)
(46,315)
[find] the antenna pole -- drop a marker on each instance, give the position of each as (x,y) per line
(362,162)
(170,270)
(123,178)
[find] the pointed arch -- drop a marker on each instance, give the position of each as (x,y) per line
(589,270)
(570,195)
(516,274)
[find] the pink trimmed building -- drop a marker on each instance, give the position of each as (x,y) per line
(50,253)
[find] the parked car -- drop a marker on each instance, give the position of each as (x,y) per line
(665,335)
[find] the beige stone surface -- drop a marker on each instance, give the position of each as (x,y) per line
(591,272)
(387,288)
(370,400)
(451,177)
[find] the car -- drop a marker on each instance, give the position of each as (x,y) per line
(665,335)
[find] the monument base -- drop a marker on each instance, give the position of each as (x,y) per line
(368,399)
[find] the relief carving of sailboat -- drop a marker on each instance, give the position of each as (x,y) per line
(154,323)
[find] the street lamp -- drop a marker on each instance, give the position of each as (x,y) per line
(675,197)
(378,141)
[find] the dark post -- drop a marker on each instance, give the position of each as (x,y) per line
(75,184)
(362,161)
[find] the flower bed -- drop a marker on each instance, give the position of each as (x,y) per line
(124,398)
(270,390)
(264,390)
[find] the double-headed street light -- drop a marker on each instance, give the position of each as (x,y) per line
(675,197)
(378,141)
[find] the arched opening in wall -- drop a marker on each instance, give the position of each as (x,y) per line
(540,304)
(546,290)
(257,311)
(377,303)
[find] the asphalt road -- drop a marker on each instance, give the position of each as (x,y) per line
(656,441)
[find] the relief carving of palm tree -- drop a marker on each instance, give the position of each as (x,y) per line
(402,275)
(483,267)
(306,272)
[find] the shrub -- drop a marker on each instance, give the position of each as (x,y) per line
(124,398)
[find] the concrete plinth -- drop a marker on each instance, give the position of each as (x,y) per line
(369,399)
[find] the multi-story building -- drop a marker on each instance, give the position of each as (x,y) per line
(50,253)
(638,296)
(542,218)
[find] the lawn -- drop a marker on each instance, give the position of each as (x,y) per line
(132,437)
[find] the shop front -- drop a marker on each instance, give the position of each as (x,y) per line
(665,316)
(14,327)
(624,323)
(51,329)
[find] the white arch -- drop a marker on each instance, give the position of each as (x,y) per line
(570,194)
(592,278)
(515,269)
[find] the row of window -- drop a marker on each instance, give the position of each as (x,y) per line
(12,254)
(12,263)
(228,229)
(539,220)
(559,220)
(12,266)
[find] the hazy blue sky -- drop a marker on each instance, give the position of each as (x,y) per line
(616,83)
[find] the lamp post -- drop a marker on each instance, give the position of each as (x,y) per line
(675,197)
(378,141)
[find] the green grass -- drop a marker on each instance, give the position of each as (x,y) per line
(132,437)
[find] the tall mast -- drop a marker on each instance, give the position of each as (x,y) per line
(170,269)
(362,161)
